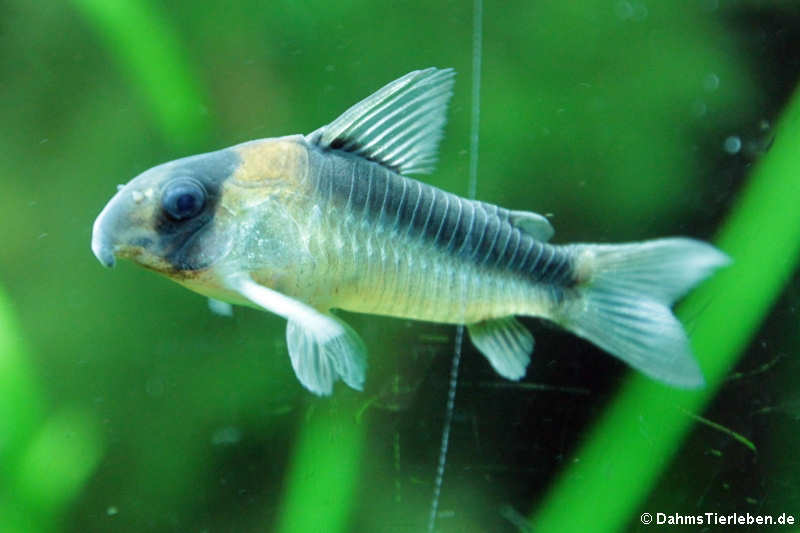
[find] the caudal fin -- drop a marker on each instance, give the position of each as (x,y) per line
(625,302)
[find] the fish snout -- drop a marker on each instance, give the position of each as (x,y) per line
(121,229)
(103,250)
(102,241)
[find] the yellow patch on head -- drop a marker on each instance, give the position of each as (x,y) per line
(270,170)
(284,158)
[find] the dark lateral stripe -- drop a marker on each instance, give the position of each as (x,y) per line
(372,192)
(453,224)
(420,222)
(560,271)
(409,210)
(545,262)
(344,185)
(380,187)
(334,180)
(396,191)
(474,231)
(504,236)
(538,256)
(360,190)
(397,207)
(437,218)
(465,232)
(482,226)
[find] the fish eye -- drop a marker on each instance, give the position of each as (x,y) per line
(183,198)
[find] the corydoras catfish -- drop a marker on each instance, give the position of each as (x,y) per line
(305,224)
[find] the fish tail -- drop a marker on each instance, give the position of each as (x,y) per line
(625,293)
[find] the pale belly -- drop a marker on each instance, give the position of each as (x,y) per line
(382,272)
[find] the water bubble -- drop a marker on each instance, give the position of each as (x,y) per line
(154,386)
(732,144)
(220,308)
(711,82)
(112,510)
(226,436)
(639,12)
(699,108)
(623,10)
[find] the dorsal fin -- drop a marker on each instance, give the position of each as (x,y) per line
(398,126)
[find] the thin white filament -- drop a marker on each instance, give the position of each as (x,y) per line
(477,35)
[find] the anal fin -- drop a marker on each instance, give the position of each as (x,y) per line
(506,343)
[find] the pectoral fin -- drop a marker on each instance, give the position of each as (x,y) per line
(322,348)
(506,343)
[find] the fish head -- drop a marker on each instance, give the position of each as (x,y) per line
(164,218)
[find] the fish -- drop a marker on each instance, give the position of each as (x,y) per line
(305,225)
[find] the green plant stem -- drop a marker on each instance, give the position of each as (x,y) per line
(147,49)
(21,405)
(44,462)
(325,469)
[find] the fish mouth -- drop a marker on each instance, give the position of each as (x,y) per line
(108,252)
(104,253)
(114,237)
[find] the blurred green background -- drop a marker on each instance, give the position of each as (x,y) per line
(126,405)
